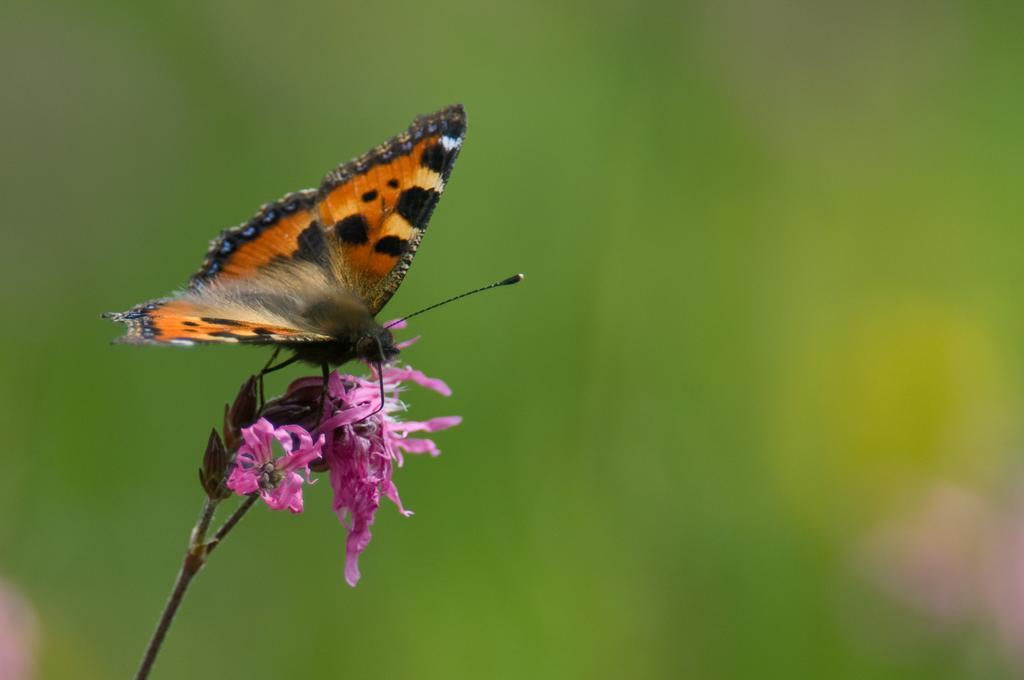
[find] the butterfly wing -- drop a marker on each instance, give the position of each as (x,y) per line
(364,224)
(188,321)
(375,208)
(356,235)
(250,288)
(279,231)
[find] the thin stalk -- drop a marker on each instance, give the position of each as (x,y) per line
(195,557)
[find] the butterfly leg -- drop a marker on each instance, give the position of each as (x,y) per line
(273,355)
(270,361)
(270,369)
(287,362)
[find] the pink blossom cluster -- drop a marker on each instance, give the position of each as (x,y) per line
(360,441)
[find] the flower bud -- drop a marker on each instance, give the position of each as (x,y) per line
(299,405)
(215,463)
(242,412)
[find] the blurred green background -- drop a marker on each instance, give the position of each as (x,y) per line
(773,257)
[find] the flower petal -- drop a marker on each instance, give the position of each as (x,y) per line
(355,544)
(301,458)
(285,434)
(391,492)
(257,439)
(414,445)
(287,494)
(418,377)
(243,482)
(432,425)
(347,417)
(335,386)
(408,343)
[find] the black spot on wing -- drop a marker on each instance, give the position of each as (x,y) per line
(434,157)
(312,245)
(391,245)
(262,331)
(216,321)
(352,229)
(415,205)
(370,195)
(393,183)
(189,323)
(222,334)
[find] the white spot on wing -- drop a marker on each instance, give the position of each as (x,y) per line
(182,342)
(450,143)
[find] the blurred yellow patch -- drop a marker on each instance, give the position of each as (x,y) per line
(872,407)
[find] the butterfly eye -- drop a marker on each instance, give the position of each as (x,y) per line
(368,348)
(387,345)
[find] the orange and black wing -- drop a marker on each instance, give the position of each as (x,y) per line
(280,231)
(183,321)
(375,208)
(358,232)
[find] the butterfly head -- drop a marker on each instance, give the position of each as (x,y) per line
(377,346)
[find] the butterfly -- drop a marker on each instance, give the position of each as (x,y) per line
(310,271)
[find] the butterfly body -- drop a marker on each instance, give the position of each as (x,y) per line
(311,271)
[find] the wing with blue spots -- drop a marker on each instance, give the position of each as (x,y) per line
(280,231)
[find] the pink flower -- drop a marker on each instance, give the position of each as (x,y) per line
(361,439)
(364,444)
(278,481)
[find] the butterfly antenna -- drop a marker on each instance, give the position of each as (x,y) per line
(504,282)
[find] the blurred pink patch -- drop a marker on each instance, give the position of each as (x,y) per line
(933,558)
(957,559)
(1003,584)
(17,636)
